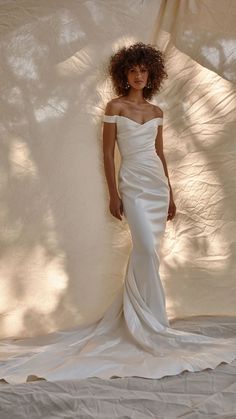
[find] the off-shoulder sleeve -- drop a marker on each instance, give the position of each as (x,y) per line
(159,121)
(109,118)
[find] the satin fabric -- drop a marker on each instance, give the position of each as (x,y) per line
(134,337)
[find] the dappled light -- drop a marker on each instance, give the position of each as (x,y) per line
(63,256)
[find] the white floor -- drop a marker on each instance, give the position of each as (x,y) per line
(206,394)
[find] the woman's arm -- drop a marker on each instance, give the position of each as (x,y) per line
(160,152)
(109,139)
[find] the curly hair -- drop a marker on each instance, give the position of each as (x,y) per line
(137,54)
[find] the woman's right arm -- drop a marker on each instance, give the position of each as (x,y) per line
(109,139)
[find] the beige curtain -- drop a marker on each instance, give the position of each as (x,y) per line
(63,256)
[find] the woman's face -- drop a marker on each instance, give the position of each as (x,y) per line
(137,76)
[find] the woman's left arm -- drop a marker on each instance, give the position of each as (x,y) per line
(160,153)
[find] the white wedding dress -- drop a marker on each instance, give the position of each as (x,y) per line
(134,337)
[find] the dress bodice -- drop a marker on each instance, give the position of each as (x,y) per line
(135,140)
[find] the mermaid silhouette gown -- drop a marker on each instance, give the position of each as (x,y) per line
(133,337)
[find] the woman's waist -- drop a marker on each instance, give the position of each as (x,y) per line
(140,157)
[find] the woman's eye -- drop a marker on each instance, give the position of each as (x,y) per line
(143,70)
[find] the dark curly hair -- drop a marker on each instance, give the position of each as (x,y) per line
(137,54)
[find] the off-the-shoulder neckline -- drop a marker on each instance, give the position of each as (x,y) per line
(121,116)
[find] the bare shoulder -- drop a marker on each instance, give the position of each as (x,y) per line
(113,107)
(158,111)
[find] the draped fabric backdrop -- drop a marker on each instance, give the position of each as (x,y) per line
(63,256)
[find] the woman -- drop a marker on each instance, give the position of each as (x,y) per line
(146,194)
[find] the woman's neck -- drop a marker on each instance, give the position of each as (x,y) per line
(136,97)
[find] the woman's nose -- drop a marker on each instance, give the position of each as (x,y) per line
(138,72)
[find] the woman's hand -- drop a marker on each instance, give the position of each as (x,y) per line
(116,207)
(172,208)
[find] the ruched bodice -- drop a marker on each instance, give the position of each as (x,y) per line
(139,159)
(135,140)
